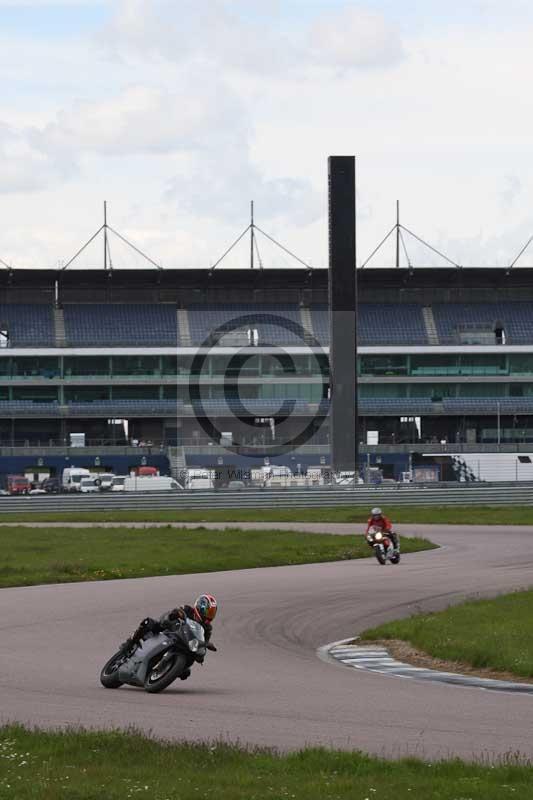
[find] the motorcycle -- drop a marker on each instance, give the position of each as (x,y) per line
(157,660)
(383,546)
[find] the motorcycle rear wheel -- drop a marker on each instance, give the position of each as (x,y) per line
(156,682)
(395,559)
(109,674)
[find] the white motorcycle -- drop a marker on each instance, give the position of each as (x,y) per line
(383,546)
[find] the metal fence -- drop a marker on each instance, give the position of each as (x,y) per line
(426,495)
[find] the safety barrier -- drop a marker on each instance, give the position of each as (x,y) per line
(489,494)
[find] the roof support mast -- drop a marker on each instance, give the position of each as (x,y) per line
(105,235)
(252,235)
(397,234)
(254,246)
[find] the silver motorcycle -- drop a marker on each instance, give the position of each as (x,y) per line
(158,659)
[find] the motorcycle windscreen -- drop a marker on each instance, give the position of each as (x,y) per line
(196,630)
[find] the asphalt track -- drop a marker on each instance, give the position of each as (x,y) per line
(266,685)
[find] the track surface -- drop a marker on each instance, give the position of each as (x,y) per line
(266,685)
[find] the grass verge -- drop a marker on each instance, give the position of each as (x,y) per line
(445,515)
(484,634)
(59,555)
(116,766)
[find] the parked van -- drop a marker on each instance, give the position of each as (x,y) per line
(72,478)
(199,479)
(89,486)
(145,484)
(119,483)
(278,475)
(104,481)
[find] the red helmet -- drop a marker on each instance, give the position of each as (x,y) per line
(206,607)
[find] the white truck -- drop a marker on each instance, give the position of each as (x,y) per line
(72,476)
(142,483)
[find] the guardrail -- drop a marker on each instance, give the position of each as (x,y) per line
(191,447)
(427,495)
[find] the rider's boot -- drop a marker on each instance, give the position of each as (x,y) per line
(185,674)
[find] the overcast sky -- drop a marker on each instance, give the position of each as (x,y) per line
(179,112)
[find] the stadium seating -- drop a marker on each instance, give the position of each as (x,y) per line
(377,324)
(28,325)
(267,319)
(404,406)
(488,405)
(255,406)
(121,324)
(515,317)
(156,324)
(123,407)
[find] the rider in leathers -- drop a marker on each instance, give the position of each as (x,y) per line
(379,520)
(203,611)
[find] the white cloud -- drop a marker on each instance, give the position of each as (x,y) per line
(191,110)
(201,130)
(142,120)
(353,38)
(206,31)
(213,31)
(52,3)
(25,168)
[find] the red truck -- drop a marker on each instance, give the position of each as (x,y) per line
(146,471)
(17,484)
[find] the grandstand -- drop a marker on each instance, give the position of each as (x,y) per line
(173,364)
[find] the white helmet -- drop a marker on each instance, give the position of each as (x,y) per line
(376,512)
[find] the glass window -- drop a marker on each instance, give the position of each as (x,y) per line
(86,366)
(382,390)
(135,365)
(434,391)
(86,394)
(521,364)
(479,364)
(37,394)
(435,364)
(383,365)
(483,390)
(42,367)
(169,365)
(184,365)
(135,392)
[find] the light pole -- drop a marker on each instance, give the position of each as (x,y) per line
(498,417)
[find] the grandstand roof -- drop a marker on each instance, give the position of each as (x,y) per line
(269,285)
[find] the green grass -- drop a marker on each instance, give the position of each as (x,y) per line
(485,633)
(57,555)
(115,766)
(452,515)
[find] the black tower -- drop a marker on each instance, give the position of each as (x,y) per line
(342,313)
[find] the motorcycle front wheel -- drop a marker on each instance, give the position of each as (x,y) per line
(109,674)
(382,559)
(162,675)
